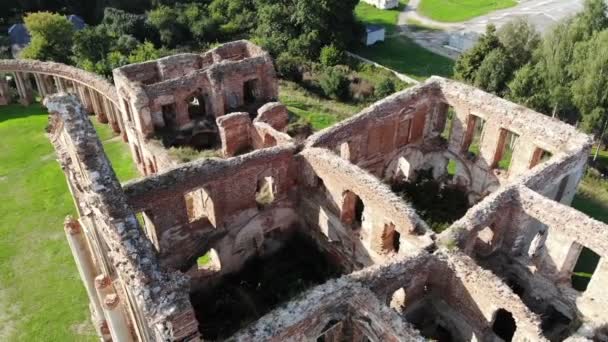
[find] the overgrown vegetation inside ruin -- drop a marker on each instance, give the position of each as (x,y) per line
(437,203)
(187,154)
(262,285)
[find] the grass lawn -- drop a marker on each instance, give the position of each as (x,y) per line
(592,195)
(403,55)
(460,10)
(321,113)
(371,15)
(41,294)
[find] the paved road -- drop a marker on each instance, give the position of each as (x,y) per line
(542,13)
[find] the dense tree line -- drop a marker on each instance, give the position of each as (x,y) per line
(296,30)
(563,74)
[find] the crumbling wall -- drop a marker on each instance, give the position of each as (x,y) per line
(471,293)
(336,311)
(212,204)
(159,297)
(565,232)
(410,131)
(329,190)
(157,96)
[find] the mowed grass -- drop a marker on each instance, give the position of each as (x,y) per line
(41,295)
(400,53)
(460,10)
(307,106)
(370,15)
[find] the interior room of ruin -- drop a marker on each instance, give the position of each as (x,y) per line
(280,239)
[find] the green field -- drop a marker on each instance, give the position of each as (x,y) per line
(403,55)
(460,10)
(41,294)
(371,15)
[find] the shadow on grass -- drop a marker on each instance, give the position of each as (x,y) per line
(16,111)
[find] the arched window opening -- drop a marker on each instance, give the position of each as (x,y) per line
(209,261)
(250,91)
(128,110)
(197,106)
(585,267)
(450,114)
(265,192)
(398,300)
(504,325)
(169,115)
(199,205)
(359,208)
(472,141)
(352,209)
(390,239)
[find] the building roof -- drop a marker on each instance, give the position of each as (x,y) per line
(374,28)
(18,35)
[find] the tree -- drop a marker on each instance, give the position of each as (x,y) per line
(91,44)
(494,72)
(555,56)
(303,27)
(528,88)
(233,17)
(51,37)
(332,55)
(590,88)
(519,39)
(145,52)
(165,20)
(385,88)
(118,23)
(290,67)
(334,83)
(469,62)
(593,17)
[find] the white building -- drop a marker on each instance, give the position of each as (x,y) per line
(383,4)
(374,34)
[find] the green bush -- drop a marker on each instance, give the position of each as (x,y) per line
(290,67)
(332,56)
(334,83)
(385,88)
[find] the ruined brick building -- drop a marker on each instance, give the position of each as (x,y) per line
(305,241)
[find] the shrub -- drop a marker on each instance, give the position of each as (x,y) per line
(290,67)
(361,89)
(334,83)
(385,88)
(332,56)
(300,129)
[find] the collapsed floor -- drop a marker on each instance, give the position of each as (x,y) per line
(264,283)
